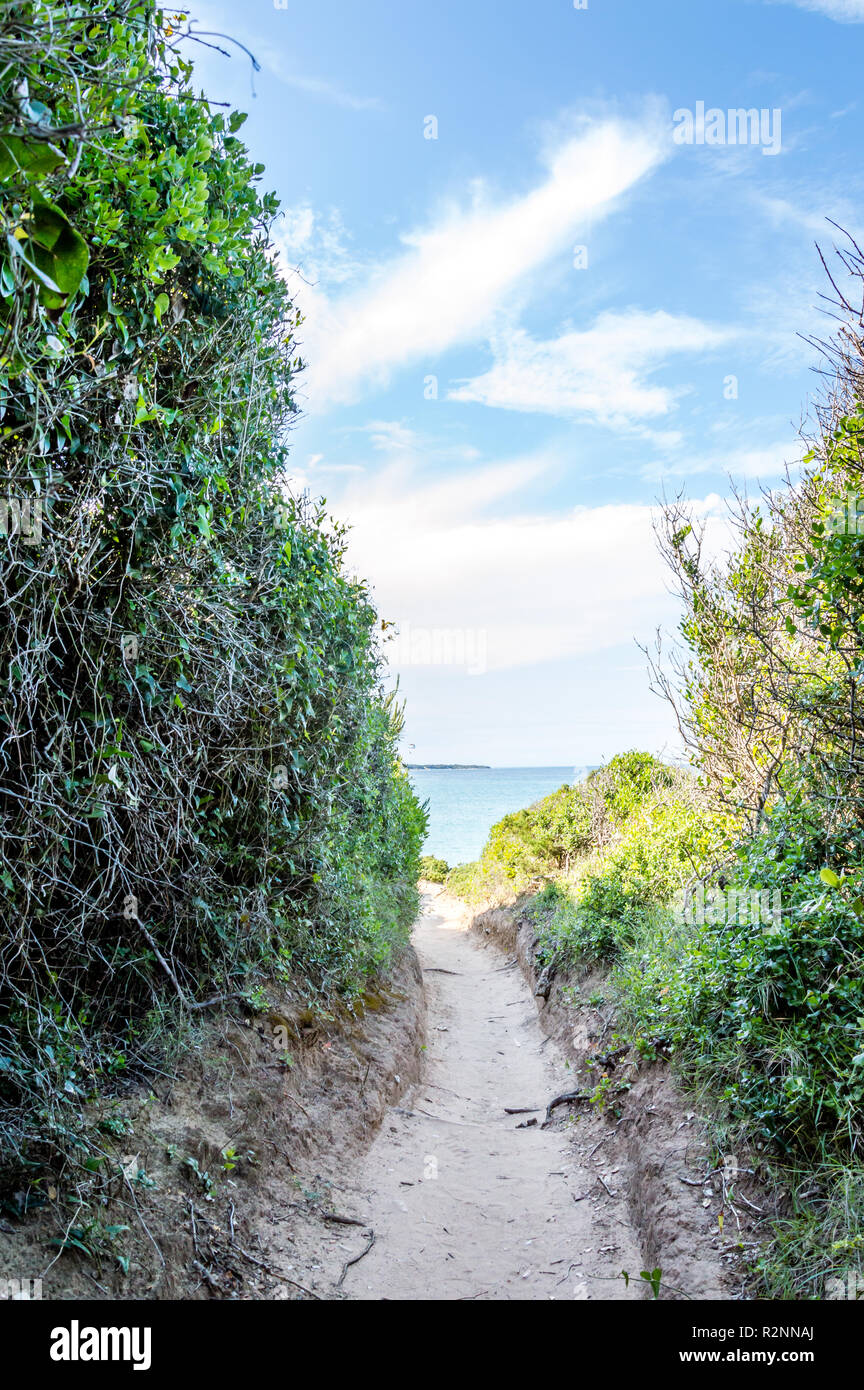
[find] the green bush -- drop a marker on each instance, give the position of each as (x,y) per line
(660,834)
(432,869)
(480,882)
(199,770)
(556,832)
(771,1013)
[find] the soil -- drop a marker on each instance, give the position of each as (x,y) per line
(459,1199)
(234,1153)
(465,1200)
(694,1213)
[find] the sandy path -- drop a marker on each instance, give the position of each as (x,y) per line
(463,1203)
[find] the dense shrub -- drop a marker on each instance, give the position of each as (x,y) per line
(562,831)
(657,839)
(432,869)
(199,778)
(770,1017)
(768,696)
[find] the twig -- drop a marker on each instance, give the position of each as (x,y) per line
(355,1259)
(610,1135)
(187,1003)
(194,1231)
(261,1264)
(563,1100)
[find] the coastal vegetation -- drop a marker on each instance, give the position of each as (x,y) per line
(201,795)
(432,869)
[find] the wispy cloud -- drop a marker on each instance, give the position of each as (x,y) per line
(765,463)
(836,210)
(846,11)
(600,373)
(317,245)
(272,59)
(450,280)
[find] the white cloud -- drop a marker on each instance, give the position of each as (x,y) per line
(536,586)
(836,211)
(846,11)
(316,245)
(742,464)
(599,372)
(451,279)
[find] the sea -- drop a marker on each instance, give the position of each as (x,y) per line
(464,803)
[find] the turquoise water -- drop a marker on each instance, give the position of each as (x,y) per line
(465,803)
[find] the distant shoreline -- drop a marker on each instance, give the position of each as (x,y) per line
(448,767)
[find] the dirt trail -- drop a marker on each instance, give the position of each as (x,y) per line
(463,1202)
(368,1131)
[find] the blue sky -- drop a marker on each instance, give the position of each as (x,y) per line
(522,331)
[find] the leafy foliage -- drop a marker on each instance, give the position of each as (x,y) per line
(558,832)
(434,870)
(769,697)
(200,787)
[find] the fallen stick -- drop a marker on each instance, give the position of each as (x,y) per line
(355,1259)
(521,1109)
(563,1100)
(610,1135)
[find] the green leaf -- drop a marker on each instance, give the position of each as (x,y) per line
(34,158)
(828,876)
(61,251)
(17,249)
(54,254)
